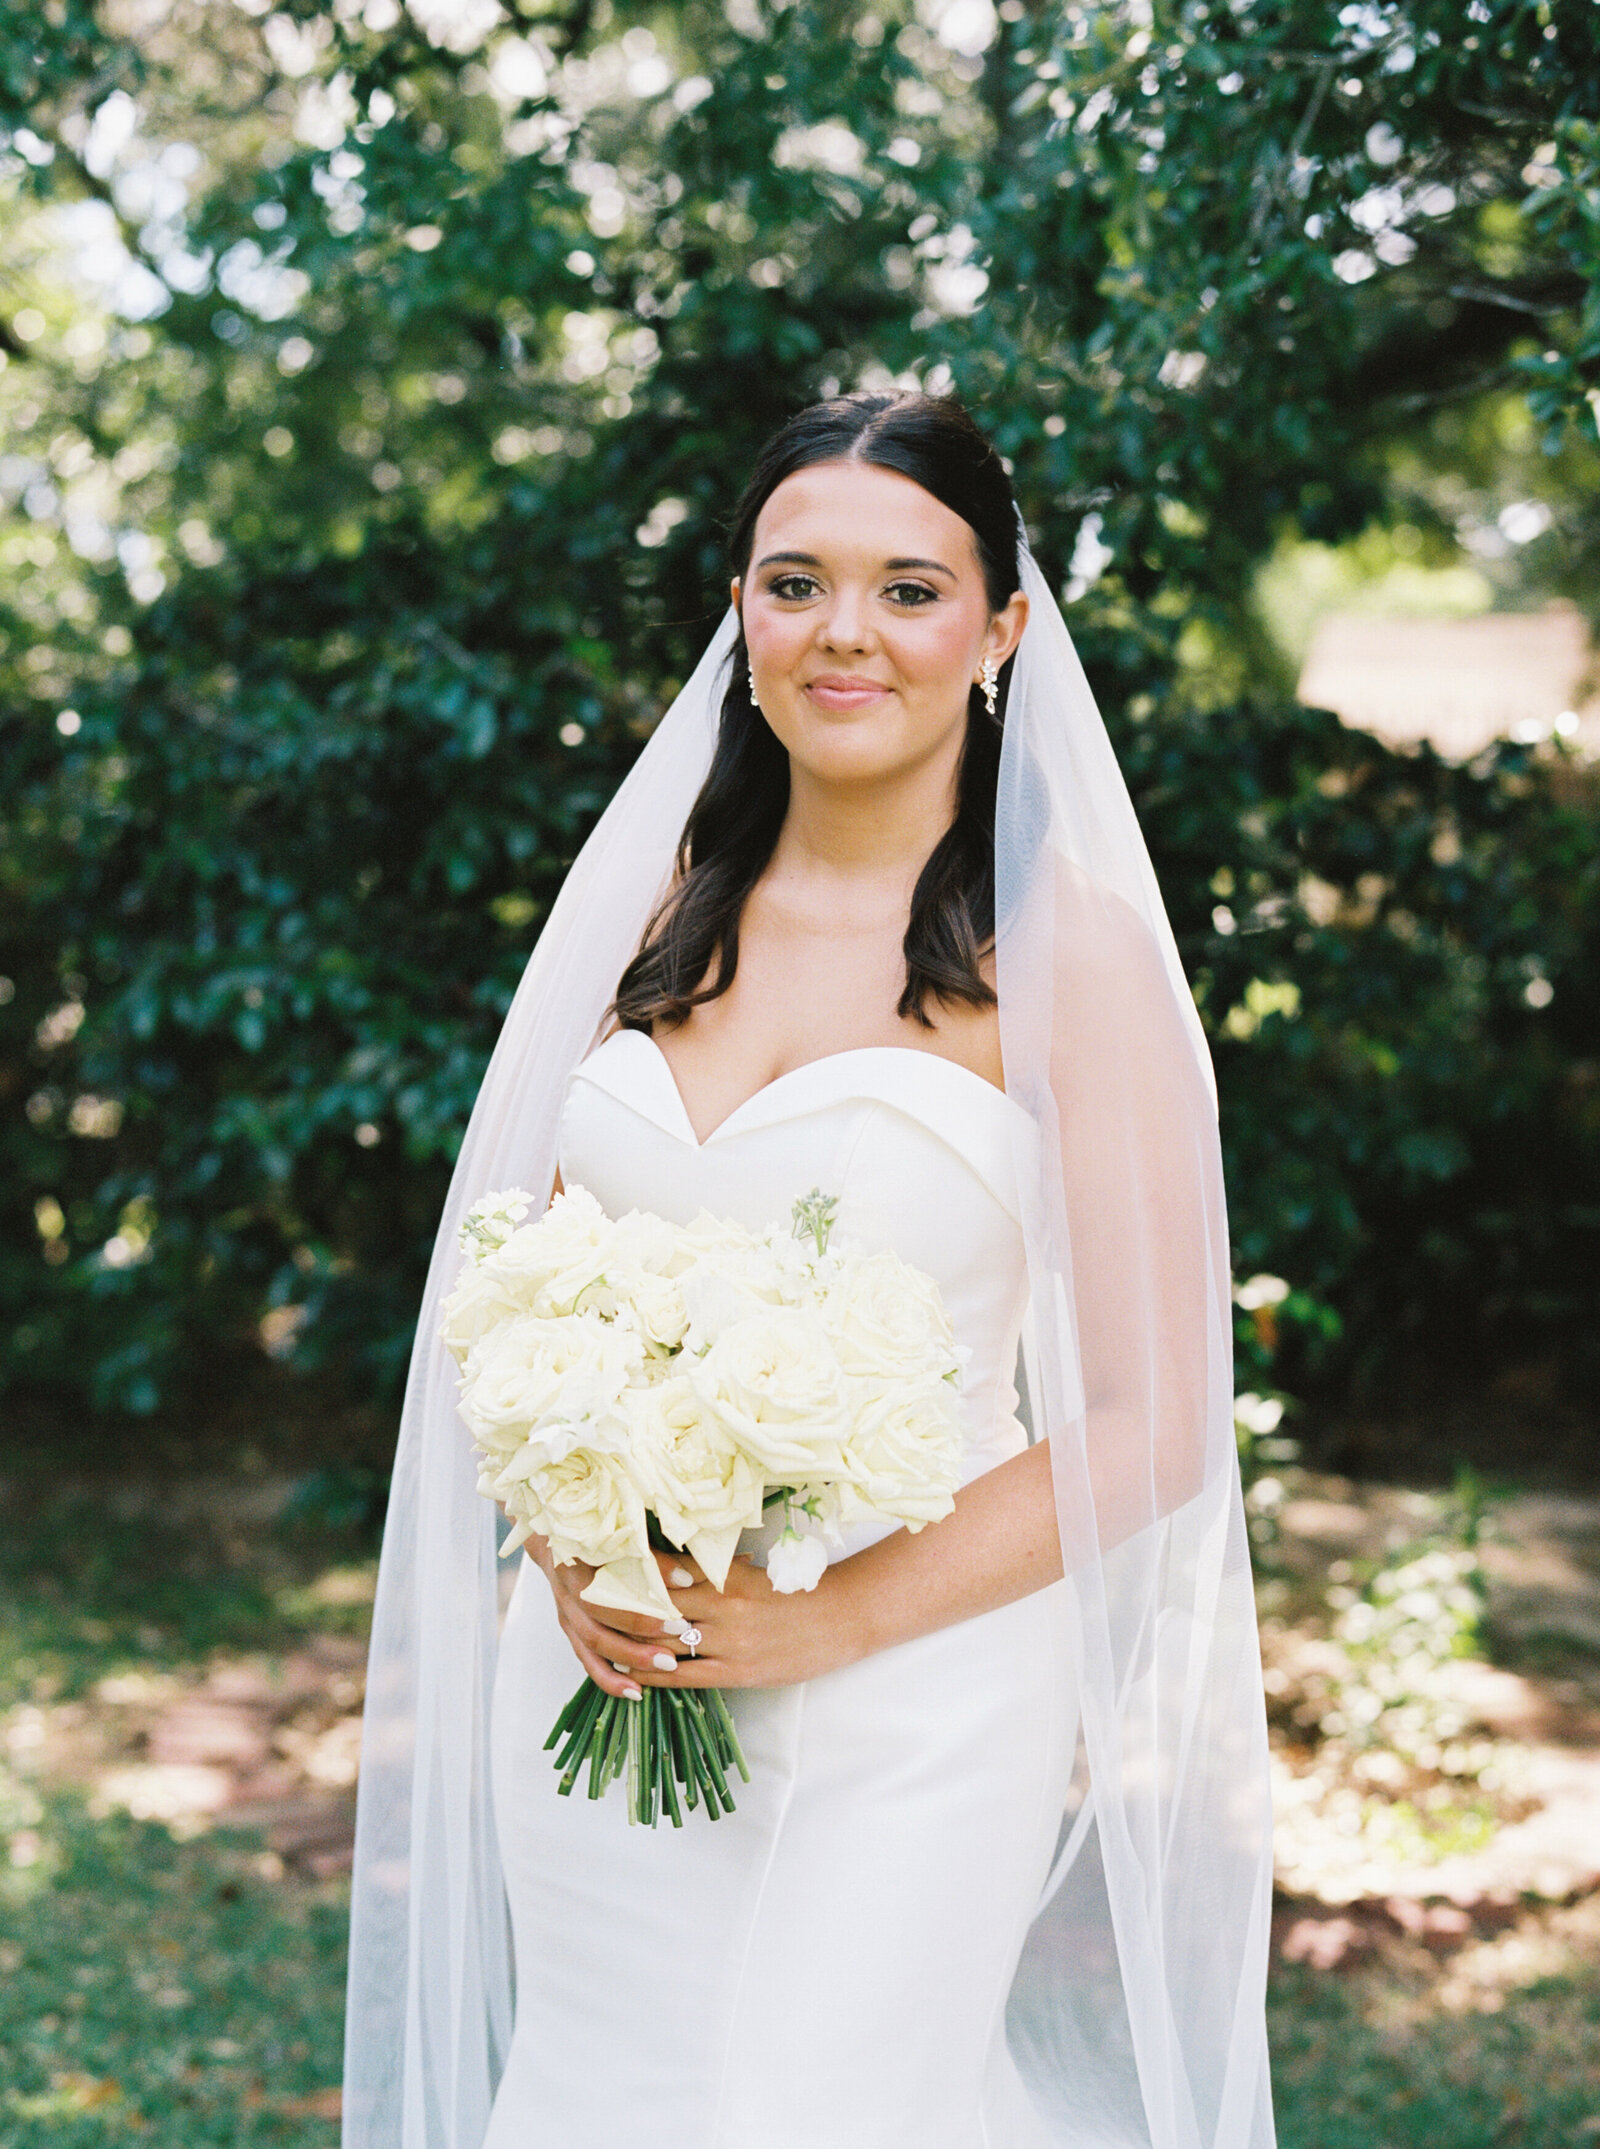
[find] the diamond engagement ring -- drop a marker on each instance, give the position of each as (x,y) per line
(691,1635)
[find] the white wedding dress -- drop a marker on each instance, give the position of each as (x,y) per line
(828,1967)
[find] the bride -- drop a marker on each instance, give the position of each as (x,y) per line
(871,915)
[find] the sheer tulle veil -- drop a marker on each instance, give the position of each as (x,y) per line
(1137,2011)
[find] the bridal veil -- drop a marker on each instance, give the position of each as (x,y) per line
(1136,2016)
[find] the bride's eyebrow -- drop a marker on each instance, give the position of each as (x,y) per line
(809,559)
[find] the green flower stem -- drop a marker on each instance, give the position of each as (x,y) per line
(670,1738)
(584,1719)
(731,1749)
(684,1761)
(700,1727)
(576,1717)
(663,1734)
(635,1759)
(614,1748)
(572,1770)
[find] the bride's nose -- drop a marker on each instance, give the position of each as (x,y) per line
(844,624)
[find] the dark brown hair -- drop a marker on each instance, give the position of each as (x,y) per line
(690,948)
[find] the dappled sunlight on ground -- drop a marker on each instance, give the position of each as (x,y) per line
(179,1741)
(265,1739)
(180,1691)
(1423,1770)
(1436,1957)
(253,1741)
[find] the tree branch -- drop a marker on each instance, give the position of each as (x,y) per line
(1273,194)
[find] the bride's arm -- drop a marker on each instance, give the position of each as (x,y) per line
(1001,1543)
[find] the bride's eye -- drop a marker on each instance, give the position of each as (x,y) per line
(910,596)
(785,586)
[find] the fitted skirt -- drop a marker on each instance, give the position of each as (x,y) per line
(828,1966)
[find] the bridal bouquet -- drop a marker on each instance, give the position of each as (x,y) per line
(634,1385)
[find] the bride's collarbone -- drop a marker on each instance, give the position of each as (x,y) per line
(795,1000)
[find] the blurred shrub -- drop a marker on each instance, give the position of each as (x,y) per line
(363,520)
(1398,963)
(1383,1752)
(304,914)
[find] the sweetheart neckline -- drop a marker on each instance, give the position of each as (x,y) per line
(823,1059)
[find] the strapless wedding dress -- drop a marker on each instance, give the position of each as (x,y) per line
(828,1967)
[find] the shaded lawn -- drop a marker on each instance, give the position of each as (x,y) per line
(191,1992)
(1370,2059)
(186,1991)
(165,1989)
(87,1591)
(172,1990)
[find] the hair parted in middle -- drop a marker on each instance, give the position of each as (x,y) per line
(690,948)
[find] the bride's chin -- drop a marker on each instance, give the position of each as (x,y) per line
(847,762)
(850,747)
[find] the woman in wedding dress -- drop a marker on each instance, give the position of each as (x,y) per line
(1000,1768)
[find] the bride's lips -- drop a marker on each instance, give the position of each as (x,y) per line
(840,690)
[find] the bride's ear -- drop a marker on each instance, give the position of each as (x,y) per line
(1005,629)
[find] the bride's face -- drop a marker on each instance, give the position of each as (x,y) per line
(866,619)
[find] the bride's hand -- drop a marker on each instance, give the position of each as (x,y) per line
(612,1655)
(754,1635)
(750,1634)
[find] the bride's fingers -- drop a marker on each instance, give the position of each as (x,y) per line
(624,1684)
(629,1635)
(614,1622)
(636,1654)
(615,1660)
(634,1627)
(696,1645)
(694,1671)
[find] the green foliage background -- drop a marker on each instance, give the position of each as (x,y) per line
(377,384)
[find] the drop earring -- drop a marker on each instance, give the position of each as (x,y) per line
(989,680)
(750,668)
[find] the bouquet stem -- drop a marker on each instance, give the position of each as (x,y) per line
(674,1738)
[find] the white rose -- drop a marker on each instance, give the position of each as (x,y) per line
(587,1505)
(642,1241)
(773,1382)
(480,1301)
(708,1237)
(905,1452)
(555,1381)
(632,1277)
(796,1562)
(698,1480)
(632,1584)
(733,1283)
(887,1318)
(550,1265)
(715,1301)
(658,1307)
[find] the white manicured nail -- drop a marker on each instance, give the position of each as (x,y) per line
(681,1578)
(615,1666)
(632,1693)
(675,1625)
(663,1662)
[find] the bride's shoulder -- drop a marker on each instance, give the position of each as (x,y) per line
(1099,935)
